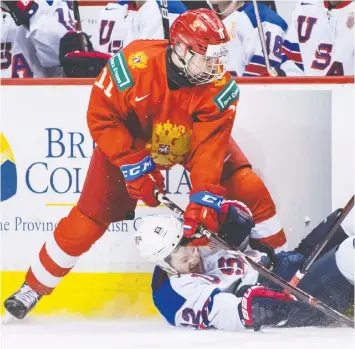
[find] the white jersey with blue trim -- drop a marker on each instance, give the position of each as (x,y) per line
(320,40)
(119,25)
(199,300)
(34,52)
(246,56)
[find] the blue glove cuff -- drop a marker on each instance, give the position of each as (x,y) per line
(132,172)
(205,198)
(286,264)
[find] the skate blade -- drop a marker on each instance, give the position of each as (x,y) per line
(7,318)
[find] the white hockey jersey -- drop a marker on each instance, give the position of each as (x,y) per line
(320,41)
(245,54)
(34,52)
(197,300)
(119,25)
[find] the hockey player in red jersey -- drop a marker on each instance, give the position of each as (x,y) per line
(156,104)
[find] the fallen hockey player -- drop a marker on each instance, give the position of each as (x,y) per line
(206,287)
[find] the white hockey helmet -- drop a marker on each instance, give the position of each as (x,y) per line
(157,237)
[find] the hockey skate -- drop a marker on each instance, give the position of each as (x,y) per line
(22,302)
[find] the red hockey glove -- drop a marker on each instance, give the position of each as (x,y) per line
(236,224)
(142,177)
(225,207)
(260,306)
(84,64)
(204,207)
(77,63)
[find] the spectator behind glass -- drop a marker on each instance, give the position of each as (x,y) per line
(320,40)
(246,55)
(38,39)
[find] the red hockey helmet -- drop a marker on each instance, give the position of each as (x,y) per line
(199,38)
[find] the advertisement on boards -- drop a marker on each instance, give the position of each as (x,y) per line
(46,150)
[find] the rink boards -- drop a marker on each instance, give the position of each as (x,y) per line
(299,138)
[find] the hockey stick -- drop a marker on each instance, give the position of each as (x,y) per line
(301,295)
(165,18)
(342,213)
(78,24)
(270,70)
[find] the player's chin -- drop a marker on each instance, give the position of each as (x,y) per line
(196,268)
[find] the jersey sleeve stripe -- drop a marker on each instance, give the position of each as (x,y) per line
(287,55)
(292,47)
(257,66)
(291,52)
(251,74)
(255,69)
(207,308)
(285,59)
(295,59)
(260,60)
(300,66)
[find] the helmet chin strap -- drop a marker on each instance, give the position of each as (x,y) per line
(175,70)
(181,63)
(168,268)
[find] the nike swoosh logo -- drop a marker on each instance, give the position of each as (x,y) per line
(306,3)
(141,98)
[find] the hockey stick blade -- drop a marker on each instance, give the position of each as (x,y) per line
(299,294)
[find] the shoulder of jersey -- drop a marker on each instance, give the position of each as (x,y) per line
(45,6)
(305,3)
(305,6)
(266,15)
(138,58)
(114,11)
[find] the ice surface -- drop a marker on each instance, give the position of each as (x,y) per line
(36,333)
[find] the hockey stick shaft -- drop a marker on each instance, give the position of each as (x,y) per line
(78,24)
(271,71)
(301,295)
(342,213)
(165,18)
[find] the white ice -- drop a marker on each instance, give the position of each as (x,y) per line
(36,333)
